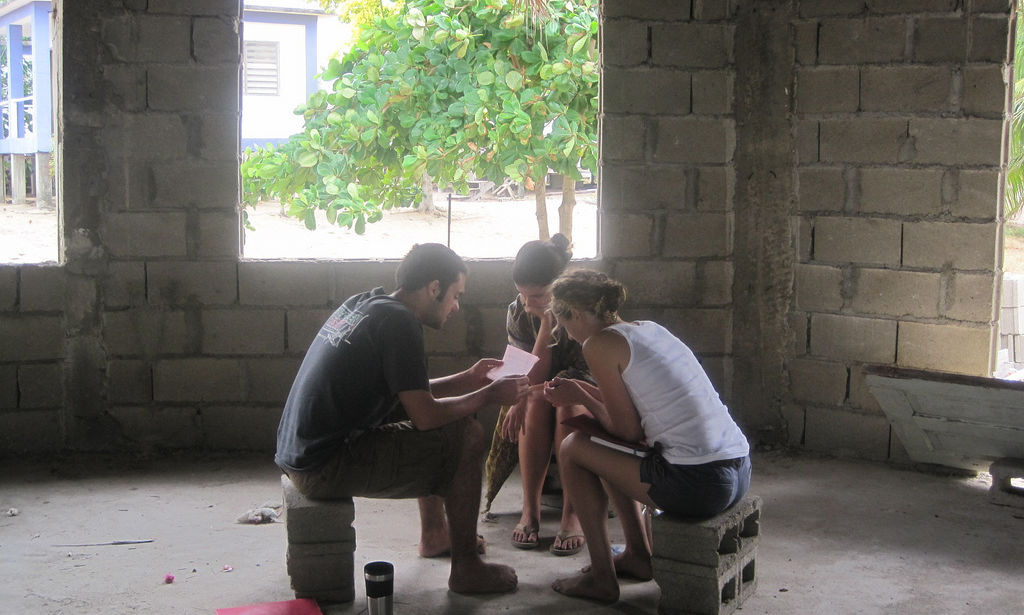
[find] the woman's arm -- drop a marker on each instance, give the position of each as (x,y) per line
(607,354)
(542,347)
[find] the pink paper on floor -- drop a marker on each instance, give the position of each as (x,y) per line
(300,606)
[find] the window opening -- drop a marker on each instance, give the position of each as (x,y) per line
(28,218)
(481,214)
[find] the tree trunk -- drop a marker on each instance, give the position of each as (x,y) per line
(540,194)
(427,186)
(567,206)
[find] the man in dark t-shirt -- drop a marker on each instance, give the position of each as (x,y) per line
(337,439)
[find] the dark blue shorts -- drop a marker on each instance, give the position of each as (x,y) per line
(697,491)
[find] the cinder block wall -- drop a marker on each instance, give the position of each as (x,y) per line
(782,184)
(899,126)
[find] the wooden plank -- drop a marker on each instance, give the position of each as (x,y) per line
(951,419)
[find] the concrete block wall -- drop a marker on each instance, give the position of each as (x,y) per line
(899,116)
(796,188)
(667,178)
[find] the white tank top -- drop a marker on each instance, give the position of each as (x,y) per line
(679,407)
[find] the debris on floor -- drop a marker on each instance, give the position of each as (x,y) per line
(268,513)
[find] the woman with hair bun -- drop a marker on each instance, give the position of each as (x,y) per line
(534,422)
(650,389)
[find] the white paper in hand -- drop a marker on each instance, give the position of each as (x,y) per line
(516,363)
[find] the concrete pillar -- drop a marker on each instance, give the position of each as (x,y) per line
(3,179)
(18,195)
(44,187)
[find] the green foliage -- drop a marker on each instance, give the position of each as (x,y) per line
(447,88)
(361,12)
(1015,166)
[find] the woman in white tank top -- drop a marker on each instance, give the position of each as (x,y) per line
(651,390)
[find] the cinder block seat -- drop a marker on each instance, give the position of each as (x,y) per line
(321,545)
(707,567)
(1003,491)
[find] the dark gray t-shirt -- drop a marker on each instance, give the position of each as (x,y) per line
(366,353)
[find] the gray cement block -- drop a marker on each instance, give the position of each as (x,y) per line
(857,240)
(624,235)
(822,382)
(827,89)
(42,289)
(221,432)
(624,42)
(147,332)
(652,9)
(818,288)
(718,593)
(692,45)
(938,245)
(205,282)
(709,542)
(673,87)
(30,338)
(660,282)
(129,381)
(847,338)
(219,234)
(198,379)
(698,235)
(1003,491)
(861,41)
(863,140)
(284,284)
(270,379)
(311,521)
(649,188)
(211,87)
(624,138)
(40,385)
(821,189)
(983,90)
(947,348)
(223,331)
(989,39)
(901,191)
(215,40)
(956,141)
(906,89)
(144,234)
(977,195)
(694,140)
(939,39)
(321,572)
(705,330)
(712,92)
(896,293)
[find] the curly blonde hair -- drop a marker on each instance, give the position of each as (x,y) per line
(590,291)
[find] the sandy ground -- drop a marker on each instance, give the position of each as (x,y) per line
(478,229)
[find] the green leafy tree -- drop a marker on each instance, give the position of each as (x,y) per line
(441,91)
(1015,166)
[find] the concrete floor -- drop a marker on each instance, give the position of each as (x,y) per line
(837,536)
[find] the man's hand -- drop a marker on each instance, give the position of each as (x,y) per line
(508,390)
(515,418)
(478,373)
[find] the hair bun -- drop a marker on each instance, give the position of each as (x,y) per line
(563,245)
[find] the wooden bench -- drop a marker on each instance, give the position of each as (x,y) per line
(707,567)
(321,545)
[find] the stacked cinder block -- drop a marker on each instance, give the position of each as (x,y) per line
(321,544)
(707,567)
(1011,319)
(1003,490)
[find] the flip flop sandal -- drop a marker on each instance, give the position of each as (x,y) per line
(561,538)
(528,531)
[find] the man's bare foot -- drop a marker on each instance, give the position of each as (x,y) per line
(480,578)
(588,586)
(628,566)
(443,549)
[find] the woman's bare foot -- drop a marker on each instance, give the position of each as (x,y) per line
(588,586)
(628,566)
(480,578)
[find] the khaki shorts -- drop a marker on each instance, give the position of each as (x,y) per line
(391,461)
